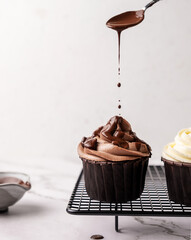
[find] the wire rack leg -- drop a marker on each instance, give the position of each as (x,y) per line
(116,224)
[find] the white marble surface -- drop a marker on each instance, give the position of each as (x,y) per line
(42,211)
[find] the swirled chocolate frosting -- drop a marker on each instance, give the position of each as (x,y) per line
(113,142)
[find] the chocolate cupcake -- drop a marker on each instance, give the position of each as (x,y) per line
(115,161)
(177,161)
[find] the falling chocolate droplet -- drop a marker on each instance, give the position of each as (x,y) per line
(119,100)
(97,236)
(119,70)
(119,84)
(119,106)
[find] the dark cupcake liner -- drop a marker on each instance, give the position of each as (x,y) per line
(115,181)
(178,178)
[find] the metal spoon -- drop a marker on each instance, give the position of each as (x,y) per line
(150,4)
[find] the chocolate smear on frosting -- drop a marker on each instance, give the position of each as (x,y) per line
(90,142)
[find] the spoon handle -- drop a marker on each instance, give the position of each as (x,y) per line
(150,4)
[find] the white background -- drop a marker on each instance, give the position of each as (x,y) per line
(58,74)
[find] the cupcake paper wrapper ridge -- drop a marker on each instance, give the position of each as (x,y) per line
(178,177)
(115,182)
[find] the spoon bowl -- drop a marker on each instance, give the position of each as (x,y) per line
(125,20)
(128,19)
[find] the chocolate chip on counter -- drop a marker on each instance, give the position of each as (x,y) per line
(97,236)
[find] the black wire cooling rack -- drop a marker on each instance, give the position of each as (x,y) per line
(154,200)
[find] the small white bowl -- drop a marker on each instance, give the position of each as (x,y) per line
(10,193)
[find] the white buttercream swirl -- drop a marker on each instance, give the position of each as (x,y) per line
(180,150)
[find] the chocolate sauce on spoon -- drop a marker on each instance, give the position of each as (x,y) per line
(123,21)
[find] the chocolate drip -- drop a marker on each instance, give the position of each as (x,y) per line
(119,52)
(120,23)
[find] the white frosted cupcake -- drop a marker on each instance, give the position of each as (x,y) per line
(177,160)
